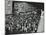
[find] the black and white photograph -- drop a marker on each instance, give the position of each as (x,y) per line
(22,17)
